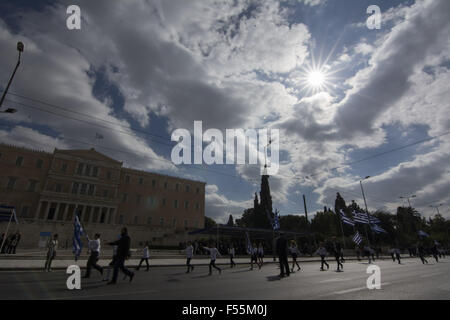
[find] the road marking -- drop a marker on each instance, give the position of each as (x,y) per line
(358,289)
(431,274)
(106,295)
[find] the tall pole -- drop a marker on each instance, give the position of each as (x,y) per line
(367,211)
(306,209)
(20,49)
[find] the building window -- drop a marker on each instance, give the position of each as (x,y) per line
(161,221)
(138,199)
(166,185)
(105,193)
(164,202)
(125,197)
(0,155)
(108,175)
(135,220)
(80,168)
(185,223)
(91,189)
(121,219)
(186,205)
(64,167)
(174,222)
(11,183)
(175,204)
(127,179)
(39,163)
(83,188)
(95,172)
(32,186)
(197,206)
(58,188)
(154,183)
(196,223)
(141,181)
(75,188)
(187,188)
(150,201)
(19,161)
(87,172)
(177,186)
(149,220)
(24,212)
(198,190)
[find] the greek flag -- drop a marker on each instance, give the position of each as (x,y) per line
(276,222)
(378,229)
(8,214)
(346,219)
(249,244)
(357,238)
(77,233)
(364,218)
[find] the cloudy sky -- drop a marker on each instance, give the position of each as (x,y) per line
(348,101)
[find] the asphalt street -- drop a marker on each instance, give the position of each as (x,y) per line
(411,280)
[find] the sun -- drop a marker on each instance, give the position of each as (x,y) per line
(316,79)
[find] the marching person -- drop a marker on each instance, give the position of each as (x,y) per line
(213,253)
(111,264)
(337,254)
(123,252)
(231,253)
(52,246)
(367,252)
(397,255)
(392,252)
(282,251)
(254,256)
(145,256)
(94,248)
(435,252)
(14,243)
(189,256)
(260,255)
(322,252)
(294,253)
(421,252)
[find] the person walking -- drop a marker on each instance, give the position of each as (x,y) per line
(94,248)
(52,246)
(145,256)
(213,254)
(397,255)
(282,251)
(294,253)
(435,252)
(14,243)
(367,252)
(322,252)
(254,256)
(111,264)
(260,255)
(231,253)
(189,256)
(123,252)
(421,253)
(336,246)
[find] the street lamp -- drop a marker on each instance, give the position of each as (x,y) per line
(20,48)
(408,197)
(437,207)
(365,203)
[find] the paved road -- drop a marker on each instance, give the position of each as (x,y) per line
(411,280)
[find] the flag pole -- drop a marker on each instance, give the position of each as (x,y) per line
(6,232)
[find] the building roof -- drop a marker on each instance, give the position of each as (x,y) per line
(89,153)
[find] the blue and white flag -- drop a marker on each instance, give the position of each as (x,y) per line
(346,219)
(363,218)
(77,233)
(276,222)
(357,238)
(423,234)
(377,229)
(8,214)
(249,244)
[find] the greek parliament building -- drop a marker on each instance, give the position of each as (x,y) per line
(48,188)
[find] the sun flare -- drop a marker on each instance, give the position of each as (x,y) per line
(316,79)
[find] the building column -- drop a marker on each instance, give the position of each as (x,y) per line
(91,216)
(112,216)
(66,211)
(47,210)
(55,217)
(36,216)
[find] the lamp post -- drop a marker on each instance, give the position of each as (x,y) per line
(365,203)
(408,197)
(437,207)
(20,48)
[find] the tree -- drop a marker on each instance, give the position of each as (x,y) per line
(230,222)
(293,223)
(209,222)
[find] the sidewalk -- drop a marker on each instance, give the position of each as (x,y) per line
(62,264)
